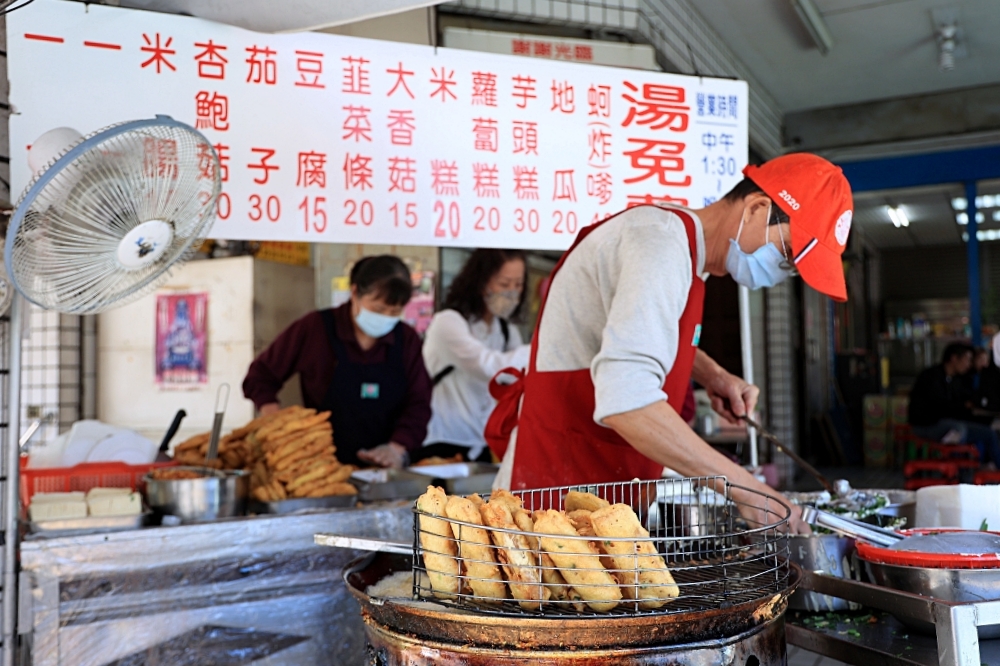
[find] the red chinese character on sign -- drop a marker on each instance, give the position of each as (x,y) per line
(211,62)
(520,47)
(525,137)
(583,52)
(263,66)
(444,178)
(160,157)
(486,180)
(526,182)
(661,106)
(599,186)
(562,97)
(564,52)
(599,100)
(401,75)
(357,172)
(309,65)
(543,49)
(486,134)
(401,126)
(599,142)
(223,153)
(652,200)
(265,168)
(444,81)
(206,162)
(356,76)
(312,170)
(524,89)
(484,89)
(402,174)
(211,111)
(564,189)
(159,52)
(657,158)
(356,124)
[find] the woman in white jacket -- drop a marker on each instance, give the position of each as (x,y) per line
(467,343)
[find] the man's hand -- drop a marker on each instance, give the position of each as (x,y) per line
(387,455)
(732,397)
(270,408)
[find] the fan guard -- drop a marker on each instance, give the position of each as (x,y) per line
(105,222)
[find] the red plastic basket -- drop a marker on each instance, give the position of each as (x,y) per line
(83,477)
(867,551)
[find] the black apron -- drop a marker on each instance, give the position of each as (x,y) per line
(365,399)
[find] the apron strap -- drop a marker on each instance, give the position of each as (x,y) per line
(503,418)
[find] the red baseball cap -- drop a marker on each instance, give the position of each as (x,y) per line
(817,198)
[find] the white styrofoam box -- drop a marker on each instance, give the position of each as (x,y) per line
(962,506)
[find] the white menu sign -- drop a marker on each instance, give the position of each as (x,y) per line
(325,138)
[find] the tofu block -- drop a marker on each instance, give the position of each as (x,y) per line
(56,509)
(115,504)
(102,492)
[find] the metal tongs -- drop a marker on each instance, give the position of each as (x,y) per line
(850,527)
(839,489)
(363,543)
(220,412)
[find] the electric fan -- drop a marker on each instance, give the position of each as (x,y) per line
(107,219)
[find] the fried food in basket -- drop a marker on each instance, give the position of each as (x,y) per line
(578,561)
(475,550)
(642,572)
(168,474)
(438,460)
(577,501)
(438,544)
(517,555)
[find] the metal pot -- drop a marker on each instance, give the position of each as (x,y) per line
(961,585)
(215,495)
(829,553)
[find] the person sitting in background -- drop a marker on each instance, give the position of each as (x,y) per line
(467,343)
(361,363)
(940,405)
(986,384)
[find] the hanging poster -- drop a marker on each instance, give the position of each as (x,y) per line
(326,138)
(182,340)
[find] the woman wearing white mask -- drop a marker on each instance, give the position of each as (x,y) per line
(617,338)
(361,363)
(466,344)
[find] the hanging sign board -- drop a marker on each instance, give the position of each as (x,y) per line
(326,138)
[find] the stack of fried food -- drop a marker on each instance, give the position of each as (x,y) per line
(290,454)
(549,565)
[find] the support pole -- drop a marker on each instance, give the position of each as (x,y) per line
(972,249)
(11,500)
(746,347)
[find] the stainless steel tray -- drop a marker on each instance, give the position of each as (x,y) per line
(304,504)
(88,525)
(477,477)
(398,484)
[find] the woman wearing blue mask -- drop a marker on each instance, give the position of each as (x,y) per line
(359,362)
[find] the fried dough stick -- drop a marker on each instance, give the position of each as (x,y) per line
(516,556)
(578,561)
(438,544)
(641,568)
(476,551)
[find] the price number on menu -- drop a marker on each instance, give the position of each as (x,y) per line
(487,219)
(564,223)
(264,207)
(526,220)
(314,216)
(449,220)
(719,166)
(407,215)
(358,212)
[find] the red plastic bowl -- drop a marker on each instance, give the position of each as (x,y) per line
(870,553)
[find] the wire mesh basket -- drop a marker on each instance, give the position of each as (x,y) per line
(651,547)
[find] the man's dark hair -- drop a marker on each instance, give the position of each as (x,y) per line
(385,277)
(745,188)
(466,292)
(956,349)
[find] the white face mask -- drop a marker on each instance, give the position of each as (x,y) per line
(764,267)
(374,324)
(503,303)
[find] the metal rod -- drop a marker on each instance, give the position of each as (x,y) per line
(363,543)
(12,461)
(799,460)
(972,256)
(852,528)
(746,349)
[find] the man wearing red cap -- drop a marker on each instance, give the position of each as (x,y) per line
(617,339)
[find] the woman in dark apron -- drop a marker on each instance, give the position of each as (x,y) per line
(360,362)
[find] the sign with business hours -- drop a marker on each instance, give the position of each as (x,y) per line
(325,138)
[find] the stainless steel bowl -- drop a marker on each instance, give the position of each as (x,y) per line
(215,495)
(829,553)
(965,585)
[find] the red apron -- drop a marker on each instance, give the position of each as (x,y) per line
(558,442)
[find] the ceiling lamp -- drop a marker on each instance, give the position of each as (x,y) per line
(813,21)
(959,203)
(897,216)
(962,218)
(950,40)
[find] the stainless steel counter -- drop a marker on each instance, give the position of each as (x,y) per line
(234,592)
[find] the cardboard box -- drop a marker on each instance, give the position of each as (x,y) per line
(898,407)
(876,412)
(876,448)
